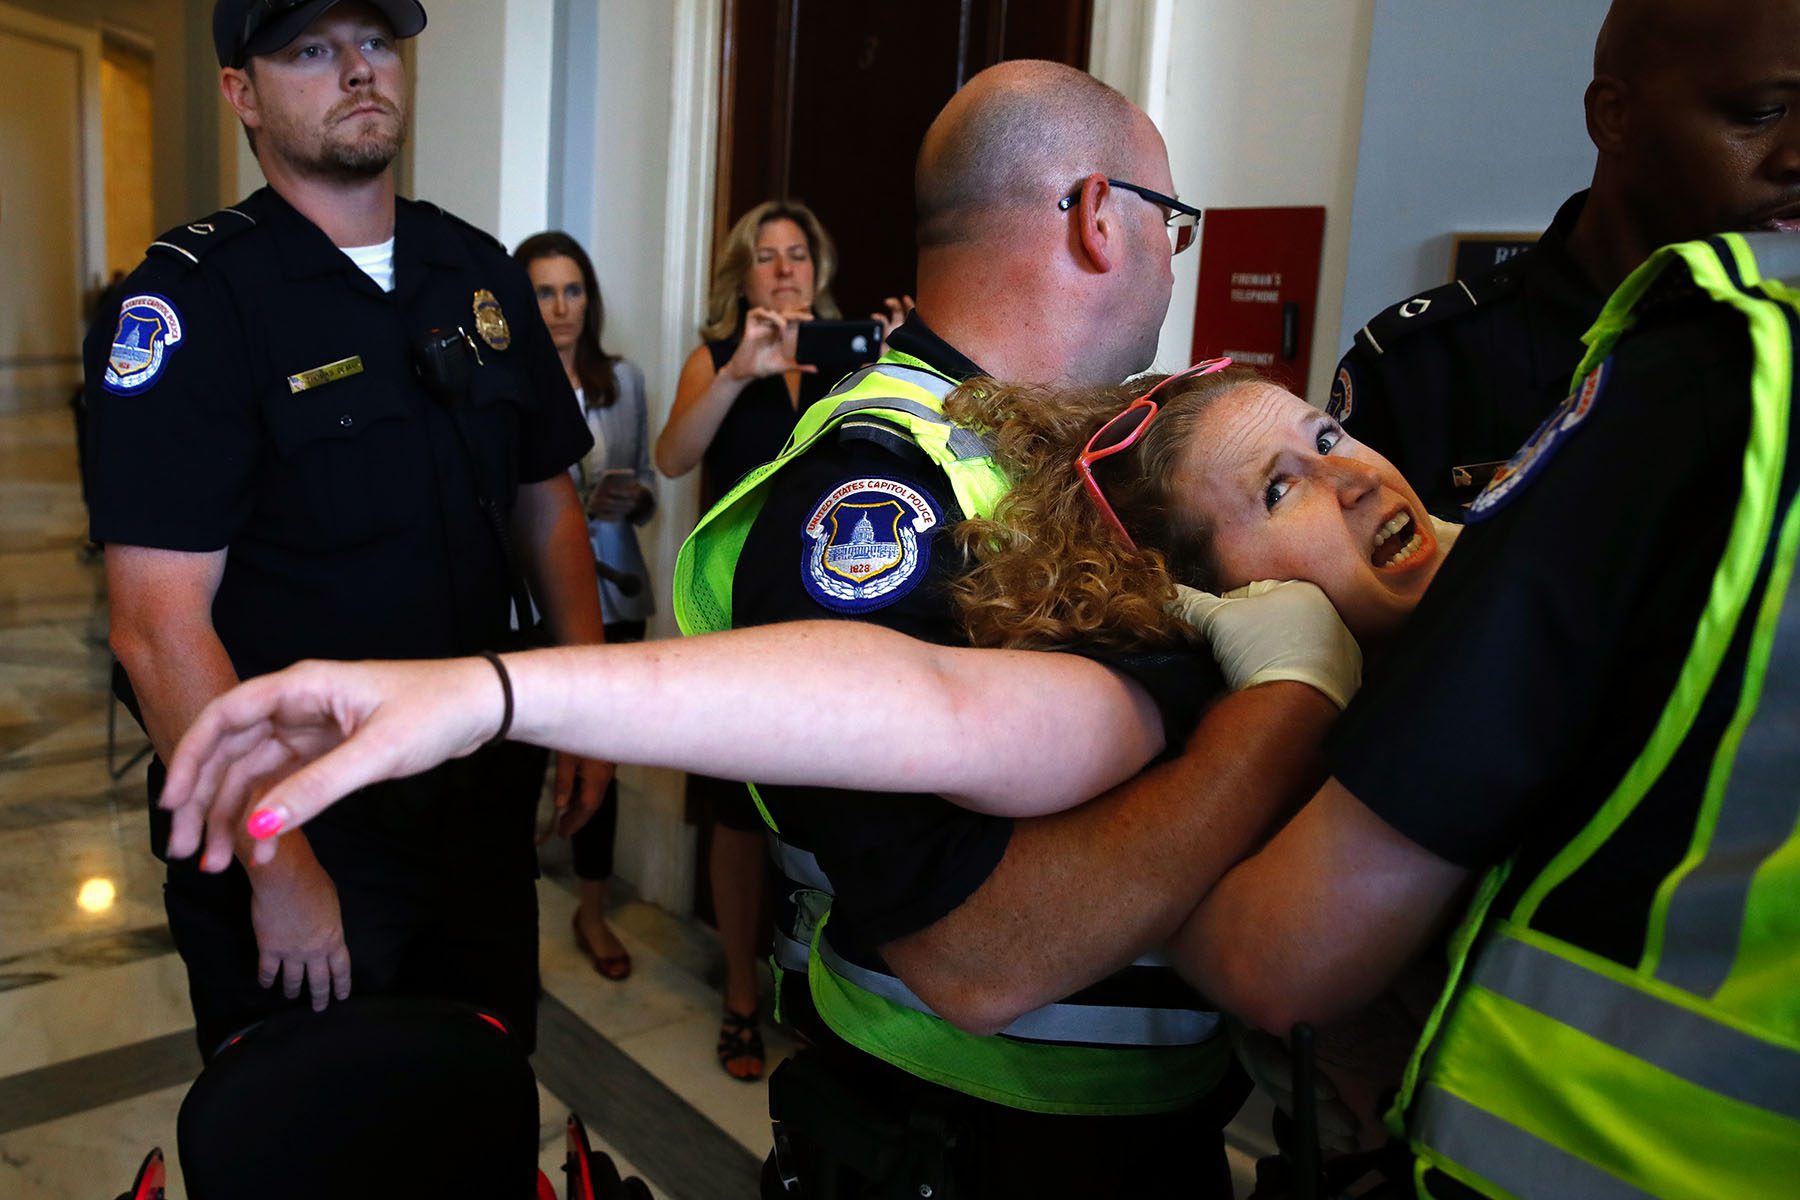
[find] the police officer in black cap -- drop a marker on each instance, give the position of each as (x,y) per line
(1684,110)
(327,422)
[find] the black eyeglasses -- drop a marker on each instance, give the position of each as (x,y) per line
(1183,220)
(261,13)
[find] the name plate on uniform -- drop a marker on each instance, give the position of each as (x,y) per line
(343,368)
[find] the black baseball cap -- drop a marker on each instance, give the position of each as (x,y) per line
(243,29)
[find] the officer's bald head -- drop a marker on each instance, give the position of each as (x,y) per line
(1641,36)
(1641,39)
(1695,110)
(1018,135)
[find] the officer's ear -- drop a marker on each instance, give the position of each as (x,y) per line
(1607,103)
(238,86)
(1095,223)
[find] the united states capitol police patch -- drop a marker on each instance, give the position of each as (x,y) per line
(149,331)
(867,544)
(1343,396)
(1510,479)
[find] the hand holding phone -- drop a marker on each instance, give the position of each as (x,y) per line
(839,345)
(893,314)
(768,345)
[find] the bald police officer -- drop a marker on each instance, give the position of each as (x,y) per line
(984,1006)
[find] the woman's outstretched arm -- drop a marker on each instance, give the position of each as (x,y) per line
(823,703)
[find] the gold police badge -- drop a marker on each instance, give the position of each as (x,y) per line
(490,322)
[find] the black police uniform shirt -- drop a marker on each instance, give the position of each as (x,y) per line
(254,393)
(1533,672)
(1460,376)
(898,862)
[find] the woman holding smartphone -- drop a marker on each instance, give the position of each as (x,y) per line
(741,390)
(614,482)
(740,394)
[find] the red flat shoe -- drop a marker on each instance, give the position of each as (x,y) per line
(615,967)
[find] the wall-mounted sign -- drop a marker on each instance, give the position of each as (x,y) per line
(1472,254)
(1259,289)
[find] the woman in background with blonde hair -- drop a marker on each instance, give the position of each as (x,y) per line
(741,391)
(738,398)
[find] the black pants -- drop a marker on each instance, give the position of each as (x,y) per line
(442,908)
(591,847)
(1006,1154)
(477,945)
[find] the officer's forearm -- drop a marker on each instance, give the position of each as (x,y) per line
(176,665)
(551,533)
(1080,894)
(1319,922)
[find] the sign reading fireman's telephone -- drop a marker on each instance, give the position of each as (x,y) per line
(1259,289)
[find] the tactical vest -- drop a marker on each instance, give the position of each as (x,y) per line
(1548,1070)
(1134,1044)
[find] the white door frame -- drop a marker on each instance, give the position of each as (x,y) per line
(687,236)
(1128,47)
(662,844)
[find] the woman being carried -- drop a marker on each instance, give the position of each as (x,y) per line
(1215,481)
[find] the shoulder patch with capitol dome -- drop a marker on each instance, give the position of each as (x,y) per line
(149,330)
(1511,479)
(867,543)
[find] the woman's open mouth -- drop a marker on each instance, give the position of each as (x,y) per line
(1397,542)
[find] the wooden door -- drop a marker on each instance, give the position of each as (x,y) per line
(826,102)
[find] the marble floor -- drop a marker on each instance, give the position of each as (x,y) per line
(96,1042)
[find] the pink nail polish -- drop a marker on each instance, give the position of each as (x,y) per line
(265,824)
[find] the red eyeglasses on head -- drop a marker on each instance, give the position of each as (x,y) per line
(1123,431)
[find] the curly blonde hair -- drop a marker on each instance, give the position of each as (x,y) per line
(725,306)
(1049,571)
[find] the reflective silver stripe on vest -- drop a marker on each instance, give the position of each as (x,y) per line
(799,865)
(929,381)
(1092,1024)
(803,873)
(1756,816)
(1521,1163)
(964,443)
(1703,1052)
(790,955)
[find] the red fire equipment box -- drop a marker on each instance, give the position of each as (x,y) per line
(1259,289)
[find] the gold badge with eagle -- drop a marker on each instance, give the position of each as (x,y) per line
(490,322)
